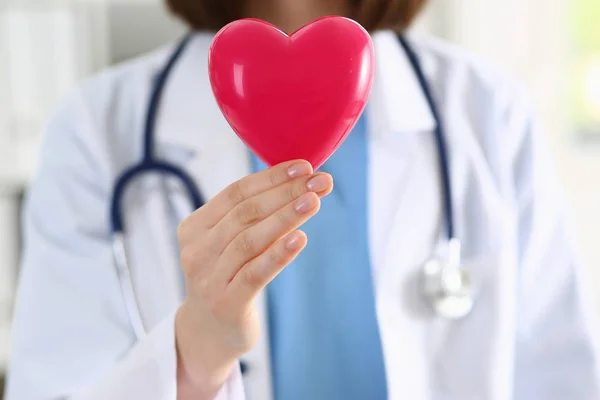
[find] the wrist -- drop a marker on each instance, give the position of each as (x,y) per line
(202,366)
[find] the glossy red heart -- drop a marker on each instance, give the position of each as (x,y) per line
(292,97)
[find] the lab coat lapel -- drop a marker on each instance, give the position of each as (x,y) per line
(426,356)
(398,118)
(473,358)
(405,212)
(193,133)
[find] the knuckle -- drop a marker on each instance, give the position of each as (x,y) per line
(274,179)
(187,259)
(297,190)
(284,217)
(249,212)
(245,245)
(192,259)
(183,229)
(186,256)
(252,278)
(235,193)
(275,258)
(216,238)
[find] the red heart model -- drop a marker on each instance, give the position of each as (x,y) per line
(292,97)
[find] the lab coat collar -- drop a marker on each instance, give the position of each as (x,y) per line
(397,103)
(188,110)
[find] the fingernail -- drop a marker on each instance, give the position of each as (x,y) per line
(299,170)
(293,242)
(318,183)
(305,203)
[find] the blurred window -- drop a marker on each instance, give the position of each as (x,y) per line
(585,69)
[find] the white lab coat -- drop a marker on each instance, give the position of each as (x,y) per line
(528,337)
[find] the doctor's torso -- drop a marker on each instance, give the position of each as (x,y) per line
(486,124)
(405,220)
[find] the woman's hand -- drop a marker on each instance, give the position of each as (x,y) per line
(231,248)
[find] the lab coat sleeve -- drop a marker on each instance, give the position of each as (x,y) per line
(556,354)
(71,335)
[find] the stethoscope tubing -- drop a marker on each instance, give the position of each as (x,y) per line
(440,136)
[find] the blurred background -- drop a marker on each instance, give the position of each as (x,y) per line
(553,46)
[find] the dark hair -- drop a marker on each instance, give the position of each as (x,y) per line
(373,15)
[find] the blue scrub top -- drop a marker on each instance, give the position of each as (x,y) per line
(324,335)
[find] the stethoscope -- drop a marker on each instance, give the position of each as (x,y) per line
(445,283)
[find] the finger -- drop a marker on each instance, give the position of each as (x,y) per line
(251,185)
(255,240)
(259,207)
(258,273)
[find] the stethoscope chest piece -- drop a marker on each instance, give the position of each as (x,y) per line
(448,286)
